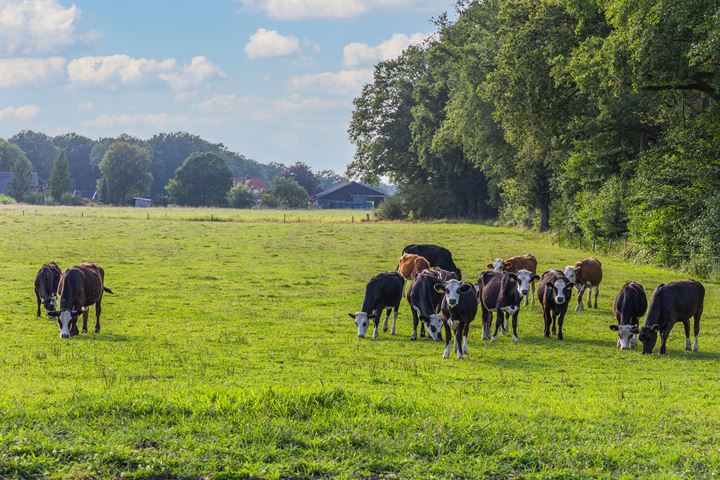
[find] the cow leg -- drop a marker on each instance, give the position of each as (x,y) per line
(505,322)
(466,330)
(581,290)
(86,314)
(458,341)
(546,317)
(532,292)
(378,314)
(73,328)
(554,317)
(499,321)
(514,325)
(387,317)
(589,290)
(416,320)
(597,291)
(561,318)
(696,329)
(487,323)
(98,311)
(38,303)
(664,336)
(448,336)
(394,321)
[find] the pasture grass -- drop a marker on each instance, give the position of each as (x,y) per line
(227,352)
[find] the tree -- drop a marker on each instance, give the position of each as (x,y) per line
(78,150)
(240,196)
(125,173)
(13,159)
(60,180)
(303,175)
(39,149)
(286,193)
(327,179)
(202,180)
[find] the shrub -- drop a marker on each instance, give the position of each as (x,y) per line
(68,199)
(285,193)
(5,200)
(240,196)
(391,209)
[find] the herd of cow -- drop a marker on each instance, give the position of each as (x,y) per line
(439,299)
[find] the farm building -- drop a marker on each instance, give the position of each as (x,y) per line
(255,184)
(6,177)
(349,195)
(142,202)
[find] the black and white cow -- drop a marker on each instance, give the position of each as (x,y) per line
(459,307)
(382,291)
(436,255)
(424,303)
(46,286)
(671,303)
(499,292)
(554,293)
(630,304)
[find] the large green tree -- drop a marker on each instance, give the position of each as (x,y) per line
(13,160)
(125,170)
(39,149)
(60,179)
(202,180)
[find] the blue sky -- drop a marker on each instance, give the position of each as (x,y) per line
(271,79)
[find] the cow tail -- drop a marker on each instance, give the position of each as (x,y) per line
(108,290)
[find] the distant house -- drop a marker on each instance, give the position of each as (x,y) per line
(255,184)
(37,183)
(349,195)
(142,202)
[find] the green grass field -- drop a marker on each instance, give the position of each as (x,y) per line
(227,352)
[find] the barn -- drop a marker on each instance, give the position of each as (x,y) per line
(36,183)
(349,195)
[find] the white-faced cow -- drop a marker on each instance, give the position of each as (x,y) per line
(46,286)
(436,255)
(410,264)
(459,307)
(585,274)
(554,293)
(630,304)
(424,302)
(80,287)
(671,303)
(382,291)
(498,292)
(526,262)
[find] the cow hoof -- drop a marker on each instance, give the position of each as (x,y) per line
(560,337)
(413,337)
(385,329)
(84,330)
(515,339)
(392,333)
(493,339)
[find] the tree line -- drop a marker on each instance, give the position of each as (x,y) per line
(598,118)
(175,168)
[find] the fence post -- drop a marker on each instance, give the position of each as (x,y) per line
(353,219)
(284,217)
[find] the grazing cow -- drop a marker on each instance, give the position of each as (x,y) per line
(46,286)
(382,291)
(80,287)
(410,264)
(671,303)
(459,307)
(630,304)
(585,274)
(437,256)
(498,292)
(554,293)
(424,303)
(525,262)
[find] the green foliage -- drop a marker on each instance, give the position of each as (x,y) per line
(39,149)
(202,180)
(392,208)
(5,200)
(303,175)
(240,196)
(285,193)
(21,184)
(83,169)
(125,173)
(67,199)
(60,180)
(603,214)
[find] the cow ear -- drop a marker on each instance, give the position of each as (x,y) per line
(534,278)
(513,278)
(440,288)
(466,288)
(506,264)
(635,330)
(656,328)
(614,327)
(54,313)
(570,285)
(352,315)
(490,266)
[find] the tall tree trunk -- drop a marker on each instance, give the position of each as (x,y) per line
(544,218)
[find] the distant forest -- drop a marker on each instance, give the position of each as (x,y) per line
(599,119)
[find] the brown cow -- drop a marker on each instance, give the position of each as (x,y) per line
(585,274)
(80,287)
(46,285)
(410,264)
(516,265)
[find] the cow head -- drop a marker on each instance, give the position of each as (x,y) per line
(648,337)
(50,303)
(67,321)
(524,279)
(362,322)
(570,273)
(433,323)
(453,289)
(562,290)
(497,265)
(625,335)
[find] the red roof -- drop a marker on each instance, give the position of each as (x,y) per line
(254,183)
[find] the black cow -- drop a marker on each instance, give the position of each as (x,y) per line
(630,304)
(382,291)
(80,287)
(424,303)
(554,292)
(46,286)
(498,292)
(672,303)
(437,256)
(459,307)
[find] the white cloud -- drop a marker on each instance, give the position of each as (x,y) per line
(32,26)
(26,112)
(344,82)
(270,43)
(302,9)
(29,71)
(261,108)
(155,120)
(356,53)
(115,69)
(193,74)
(86,106)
